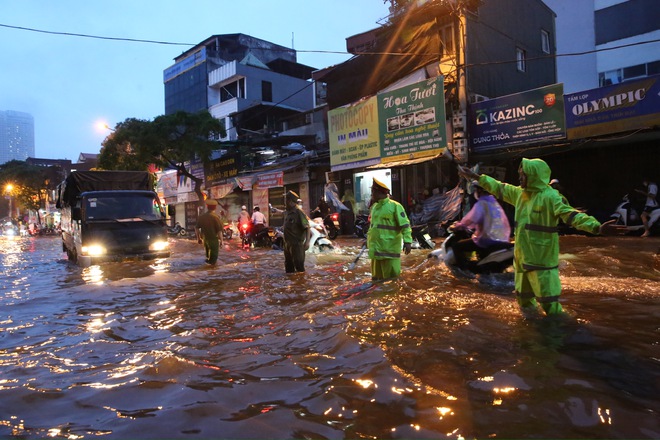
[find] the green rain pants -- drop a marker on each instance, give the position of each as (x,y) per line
(539,286)
(385,269)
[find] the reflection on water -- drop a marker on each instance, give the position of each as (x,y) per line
(178,349)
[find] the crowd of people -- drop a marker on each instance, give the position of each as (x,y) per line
(539,207)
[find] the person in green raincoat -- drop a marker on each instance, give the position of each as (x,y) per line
(389,228)
(539,207)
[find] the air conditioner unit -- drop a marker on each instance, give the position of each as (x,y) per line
(460,149)
(458,121)
(475,97)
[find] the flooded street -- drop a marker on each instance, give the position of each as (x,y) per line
(177,349)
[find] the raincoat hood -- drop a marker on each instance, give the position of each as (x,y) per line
(538,174)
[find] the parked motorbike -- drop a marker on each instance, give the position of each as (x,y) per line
(627,215)
(361,225)
(177,230)
(421,237)
(495,259)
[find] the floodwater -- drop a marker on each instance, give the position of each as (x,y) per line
(178,349)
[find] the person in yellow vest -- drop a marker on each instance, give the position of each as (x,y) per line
(539,207)
(390,228)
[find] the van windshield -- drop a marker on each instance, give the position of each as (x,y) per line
(123,206)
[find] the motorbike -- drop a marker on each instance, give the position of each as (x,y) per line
(330,221)
(627,215)
(361,225)
(227,232)
(495,259)
(421,237)
(177,230)
(264,237)
(244,233)
(319,241)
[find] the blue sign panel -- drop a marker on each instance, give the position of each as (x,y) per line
(523,118)
(631,105)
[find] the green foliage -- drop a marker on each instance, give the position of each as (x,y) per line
(167,141)
(29,182)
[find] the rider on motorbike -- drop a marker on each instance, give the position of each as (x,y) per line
(490,225)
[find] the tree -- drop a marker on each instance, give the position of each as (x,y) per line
(30,183)
(169,141)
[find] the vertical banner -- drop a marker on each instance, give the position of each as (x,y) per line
(412,121)
(353,135)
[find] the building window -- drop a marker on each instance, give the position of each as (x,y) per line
(545,42)
(447,41)
(521,57)
(267,91)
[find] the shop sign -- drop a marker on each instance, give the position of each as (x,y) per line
(353,133)
(631,105)
(412,121)
(219,170)
(270,180)
(523,118)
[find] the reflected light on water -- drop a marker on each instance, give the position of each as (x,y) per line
(93,275)
(365,383)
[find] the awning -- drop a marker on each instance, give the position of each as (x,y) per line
(402,163)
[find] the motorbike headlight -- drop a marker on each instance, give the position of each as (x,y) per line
(93,250)
(157,246)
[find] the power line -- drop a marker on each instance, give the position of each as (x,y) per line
(98,37)
(435,54)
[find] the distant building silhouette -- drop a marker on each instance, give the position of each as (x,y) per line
(16,136)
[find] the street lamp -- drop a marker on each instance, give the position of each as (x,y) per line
(8,189)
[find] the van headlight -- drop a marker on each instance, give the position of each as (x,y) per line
(158,246)
(94,250)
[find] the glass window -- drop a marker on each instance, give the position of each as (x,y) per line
(634,71)
(267,91)
(545,42)
(447,40)
(521,57)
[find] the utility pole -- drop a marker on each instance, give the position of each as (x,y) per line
(459,118)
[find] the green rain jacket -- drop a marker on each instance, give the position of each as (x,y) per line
(538,210)
(389,225)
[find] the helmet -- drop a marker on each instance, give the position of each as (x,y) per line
(244,208)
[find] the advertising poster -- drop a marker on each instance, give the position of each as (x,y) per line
(613,109)
(353,133)
(523,118)
(412,121)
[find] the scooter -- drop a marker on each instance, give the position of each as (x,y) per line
(227,231)
(421,237)
(264,237)
(361,225)
(244,233)
(495,259)
(330,221)
(319,240)
(177,230)
(627,215)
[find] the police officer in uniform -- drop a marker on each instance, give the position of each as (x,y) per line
(209,231)
(297,234)
(389,228)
